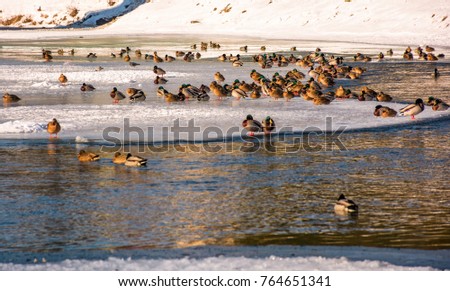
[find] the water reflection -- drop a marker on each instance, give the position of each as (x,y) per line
(254,194)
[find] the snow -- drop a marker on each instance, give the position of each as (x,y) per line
(271,263)
(407,22)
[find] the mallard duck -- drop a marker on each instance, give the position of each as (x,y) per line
(168,58)
(275,92)
(62,79)
(251,125)
(156,58)
(256,93)
(268,125)
(159,71)
(119,158)
(138,95)
(436,73)
(218,77)
(116,95)
(413,109)
(127,58)
(321,100)
(87,87)
(345,206)
(160,80)
(135,161)
(430,100)
(222,58)
(384,111)
(382,97)
(238,93)
(84,156)
(218,90)
(10,98)
(439,105)
(53,127)
(287,94)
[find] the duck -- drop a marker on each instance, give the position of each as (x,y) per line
(116,95)
(84,156)
(53,127)
(384,111)
(156,58)
(119,158)
(160,80)
(218,77)
(251,125)
(168,58)
(62,79)
(439,105)
(10,98)
(321,100)
(345,206)
(135,161)
(413,109)
(238,93)
(268,125)
(430,101)
(159,71)
(127,58)
(218,90)
(436,73)
(138,95)
(87,87)
(287,94)
(382,97)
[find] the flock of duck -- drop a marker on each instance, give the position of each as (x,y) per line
(322,72)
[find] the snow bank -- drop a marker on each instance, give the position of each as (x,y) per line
(407,22)
(272,263)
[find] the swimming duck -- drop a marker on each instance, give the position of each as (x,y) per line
(62,79)
(251,125)
(413,109)
(384,111)
(84,156)
(53,127)
(116,95)
(439,105)
(345,206)
(119,158)
(436,73)
(268,125)
(87,87)
(10,98)
(159,71)
(135,161)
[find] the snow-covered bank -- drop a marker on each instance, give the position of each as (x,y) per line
(216,264)
(408,22)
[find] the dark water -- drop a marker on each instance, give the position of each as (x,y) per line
(247,194)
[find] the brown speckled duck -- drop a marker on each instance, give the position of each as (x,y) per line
(10,98)
(84,156)
(53,127)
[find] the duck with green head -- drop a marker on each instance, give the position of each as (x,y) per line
(252,125)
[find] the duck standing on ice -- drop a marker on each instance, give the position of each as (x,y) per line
(413,109)
(251,125)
